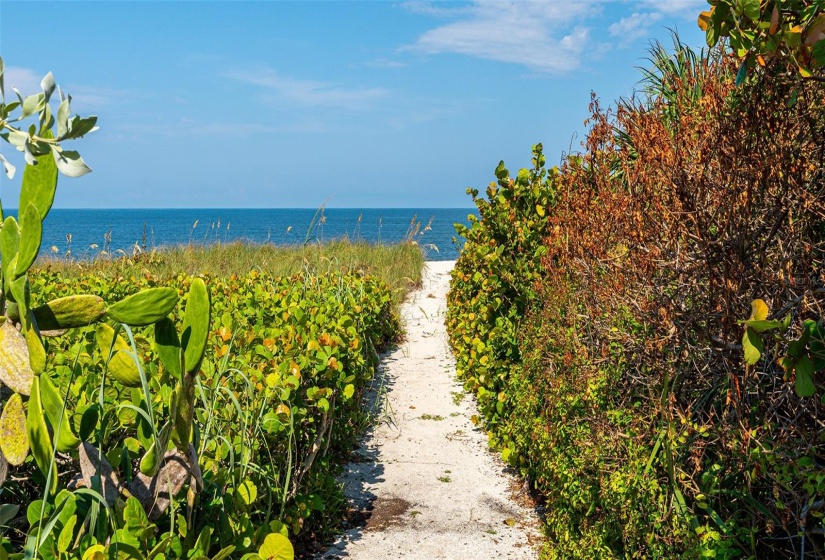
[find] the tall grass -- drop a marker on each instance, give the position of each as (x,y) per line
(399,265)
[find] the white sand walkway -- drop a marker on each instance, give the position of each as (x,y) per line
(424,485)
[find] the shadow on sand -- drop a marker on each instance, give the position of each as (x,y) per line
(368,512)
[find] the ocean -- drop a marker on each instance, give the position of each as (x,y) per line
(86,233)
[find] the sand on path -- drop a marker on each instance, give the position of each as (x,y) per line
(423,484)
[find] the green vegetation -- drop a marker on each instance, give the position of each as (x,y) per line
(187,403)
(492,282)
(643,330)
(762,33)
(399,266)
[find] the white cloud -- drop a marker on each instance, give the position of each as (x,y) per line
(544,36)
(677,7)
(309,93)
(385,63)
(635,26)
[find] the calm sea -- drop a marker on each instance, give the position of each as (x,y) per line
(88,232)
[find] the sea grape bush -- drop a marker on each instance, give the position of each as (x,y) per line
(276,402)
(759,32)
(492,281)
(144,419)
(666,395)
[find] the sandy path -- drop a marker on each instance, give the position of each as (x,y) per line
(423,484)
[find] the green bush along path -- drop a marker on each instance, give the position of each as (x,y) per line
(423,484)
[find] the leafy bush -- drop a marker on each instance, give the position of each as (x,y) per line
(658,410)
(276,405)
(134,425)
(790,31)
(492,281)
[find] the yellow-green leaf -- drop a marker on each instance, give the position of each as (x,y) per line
(753,346)
(276,547)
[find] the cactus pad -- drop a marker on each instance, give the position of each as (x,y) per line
(15,371)
(69,312)
(195,325)
(145,307)
(14,441)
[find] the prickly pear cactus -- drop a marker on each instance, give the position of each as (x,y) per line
(37,419)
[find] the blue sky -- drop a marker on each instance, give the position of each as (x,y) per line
(290,104)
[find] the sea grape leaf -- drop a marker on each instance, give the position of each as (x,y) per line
(753,346)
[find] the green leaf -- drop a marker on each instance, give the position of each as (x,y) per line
(70,163)
(762,326)
(88,422)
(8,512)
(31,235)
(276,547)
(742,74)
(32,104)
(247,492)
(15,441)
(63,112)
(39,183)
(797,347)
(818,52)
(64,541)
(501,171)
(203,542)
(81,126)
(349,390)
(804,377)
(753,346)
(750,8)
(134,516)
(712,36)
(224,553)
(35,511)
(47,85)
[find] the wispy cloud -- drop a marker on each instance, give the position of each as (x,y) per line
(633,27)
(85,98)
(544,36)
(678,7)
(547,37)
(385,63)
(309,93)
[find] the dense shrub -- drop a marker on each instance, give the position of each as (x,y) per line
(492,281)
(277,409)
(632,408)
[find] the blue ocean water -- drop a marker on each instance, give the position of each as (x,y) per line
(88,232)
